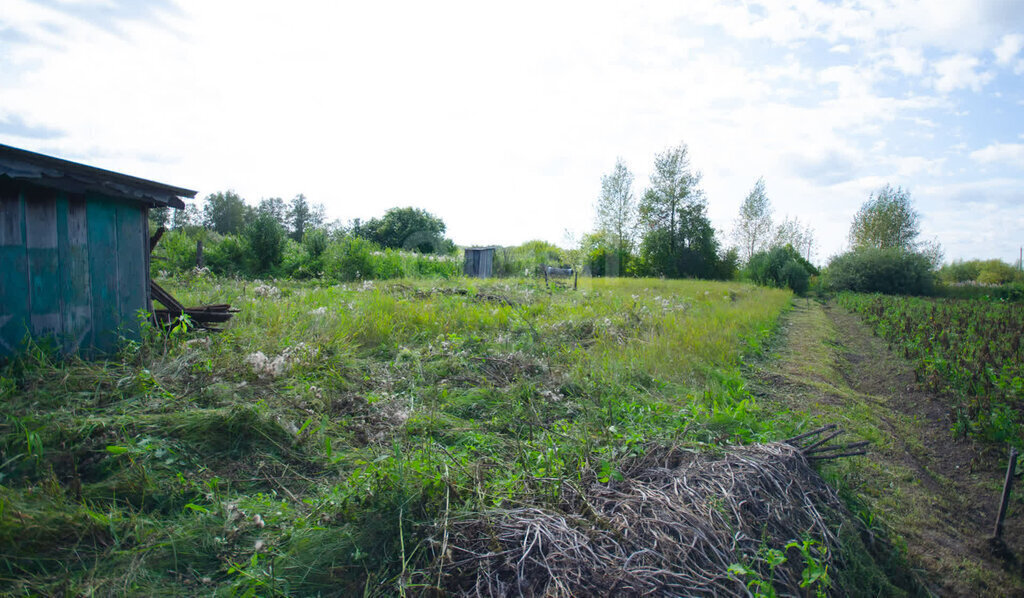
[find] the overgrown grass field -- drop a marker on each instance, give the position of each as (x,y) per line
(315,445)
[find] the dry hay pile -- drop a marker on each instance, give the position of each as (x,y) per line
(672,527)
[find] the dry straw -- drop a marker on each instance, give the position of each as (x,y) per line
(672,527)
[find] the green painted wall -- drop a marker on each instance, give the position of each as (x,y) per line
(72,269)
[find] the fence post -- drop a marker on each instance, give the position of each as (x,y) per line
(1010,470)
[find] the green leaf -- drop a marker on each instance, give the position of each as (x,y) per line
(738,569)
(114,449)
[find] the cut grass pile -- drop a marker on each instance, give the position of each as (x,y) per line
(321,441)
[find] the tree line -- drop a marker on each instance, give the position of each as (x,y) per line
(278,238)
(666,230)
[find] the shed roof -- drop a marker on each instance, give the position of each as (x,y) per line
(73,177)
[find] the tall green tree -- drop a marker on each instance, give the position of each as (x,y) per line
(406,228)
(226,213)
(276,207)
(678,238)
(753,227)
(159,217)
(616,207)
(187,218)
(886,220)
(674,188)
(303,216)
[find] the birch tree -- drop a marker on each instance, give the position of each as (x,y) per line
(886,220)
(753,227)
(791,232)
(616,207)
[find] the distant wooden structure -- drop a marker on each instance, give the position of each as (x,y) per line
(74,251)
(553,272)
(479,262)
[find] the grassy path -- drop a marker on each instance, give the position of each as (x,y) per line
(935,498)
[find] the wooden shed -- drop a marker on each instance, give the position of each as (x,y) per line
(479,262)
(74,251)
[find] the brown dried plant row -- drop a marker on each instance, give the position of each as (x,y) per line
(671,527)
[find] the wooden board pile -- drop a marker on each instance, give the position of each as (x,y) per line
(203,316)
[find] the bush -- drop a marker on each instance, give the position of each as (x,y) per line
(1008,293)
(1013,292)
(296,262)
(893,271)
(407,228)
(781,267)
(438,267)
(996,272)
(227,256)
(350,258)
(960,271)
(606,261)
(796,277)
(176,252)
(728,264)
(315,241)
(989,272)
(265,237)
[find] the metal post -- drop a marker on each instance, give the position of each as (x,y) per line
(1011,468)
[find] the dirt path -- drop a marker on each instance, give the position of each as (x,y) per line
(937,497)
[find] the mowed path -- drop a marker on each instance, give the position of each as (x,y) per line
(937,497)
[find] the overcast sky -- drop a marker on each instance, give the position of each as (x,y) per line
(501,119)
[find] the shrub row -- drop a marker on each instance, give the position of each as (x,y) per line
(343,258)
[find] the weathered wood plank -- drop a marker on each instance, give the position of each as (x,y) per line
(101,216)
(78,319)
(11,216)
(165,298)
(76,308)
(14,296)
(131,277)
(40,218)
(486,263)
(44,281)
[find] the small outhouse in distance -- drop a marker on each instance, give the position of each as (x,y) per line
(74,251)
(479,262)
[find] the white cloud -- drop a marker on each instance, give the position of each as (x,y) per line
(958,72)
(1011,154)
(907,167)
(907,61)
(1008,48)
(840,49)
(970,218)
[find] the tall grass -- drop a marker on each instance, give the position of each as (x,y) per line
(314,445)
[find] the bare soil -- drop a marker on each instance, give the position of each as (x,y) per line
(937,497)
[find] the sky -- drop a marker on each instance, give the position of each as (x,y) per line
(502,118)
